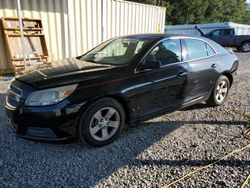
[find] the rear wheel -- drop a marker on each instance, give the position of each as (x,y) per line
(245,47)
(102,122)
(220,92)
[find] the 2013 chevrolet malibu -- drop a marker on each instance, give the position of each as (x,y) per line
(124,80)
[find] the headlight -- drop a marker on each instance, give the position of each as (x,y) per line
(49,96)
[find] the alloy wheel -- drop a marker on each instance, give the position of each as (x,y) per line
(221,91)
(104,123)
(246,47)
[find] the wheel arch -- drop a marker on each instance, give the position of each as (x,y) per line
(116,97)
(244,41)
(124,104)
(229,76)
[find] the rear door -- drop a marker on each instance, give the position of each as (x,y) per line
(201,68)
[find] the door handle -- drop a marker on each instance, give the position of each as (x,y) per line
(182,74)
(213,66)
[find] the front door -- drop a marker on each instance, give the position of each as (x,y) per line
(217,36)
(168,83)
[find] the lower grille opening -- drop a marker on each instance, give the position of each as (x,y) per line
(41,132)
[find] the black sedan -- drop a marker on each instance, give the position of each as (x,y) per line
(124,80)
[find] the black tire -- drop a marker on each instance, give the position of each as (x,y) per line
(213,99)
(238,49)
(88,117)
(245,47)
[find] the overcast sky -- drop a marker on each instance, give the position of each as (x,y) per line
(248,1)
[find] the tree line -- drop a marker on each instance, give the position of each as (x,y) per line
(202,11)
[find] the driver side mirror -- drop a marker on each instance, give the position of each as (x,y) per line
(148,65)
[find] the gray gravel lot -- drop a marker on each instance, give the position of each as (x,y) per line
(150,154)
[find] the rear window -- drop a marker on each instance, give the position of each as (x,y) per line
(228,32)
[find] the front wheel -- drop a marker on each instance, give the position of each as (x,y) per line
(102,122)
(245,47)
(220,92)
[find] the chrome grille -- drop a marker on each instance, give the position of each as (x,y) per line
(14,96)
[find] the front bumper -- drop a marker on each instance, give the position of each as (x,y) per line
(50,123)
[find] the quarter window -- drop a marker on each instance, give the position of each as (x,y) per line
(168,51)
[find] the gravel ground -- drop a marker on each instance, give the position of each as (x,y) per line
(150,154)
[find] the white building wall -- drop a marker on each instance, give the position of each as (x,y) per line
(240,29)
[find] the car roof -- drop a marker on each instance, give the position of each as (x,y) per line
(160,36)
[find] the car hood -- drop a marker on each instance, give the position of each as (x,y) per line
(67,71)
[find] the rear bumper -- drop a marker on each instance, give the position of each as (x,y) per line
(52,123)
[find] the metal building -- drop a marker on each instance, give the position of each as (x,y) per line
(240,29)
(73,27)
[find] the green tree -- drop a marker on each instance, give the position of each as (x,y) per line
(247,18)
(187,11)
(226,10)
(202,11)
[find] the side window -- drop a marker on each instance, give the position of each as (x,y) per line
(217,33)
(210,51)
(196,48)
(168,51)
(228,32)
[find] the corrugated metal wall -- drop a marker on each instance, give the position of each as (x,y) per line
(240,29)
(73,27)
(90,24)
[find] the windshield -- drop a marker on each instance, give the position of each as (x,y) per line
(117,52)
